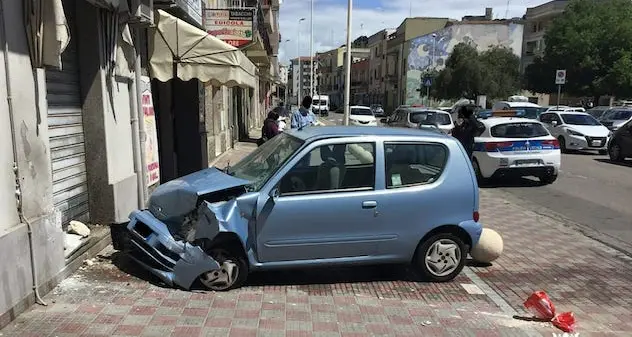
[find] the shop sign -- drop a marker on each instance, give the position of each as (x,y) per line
(151,132)
(233,26)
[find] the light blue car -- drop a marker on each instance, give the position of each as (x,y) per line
(320,196)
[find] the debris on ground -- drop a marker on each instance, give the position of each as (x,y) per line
(77,227)
(541,306)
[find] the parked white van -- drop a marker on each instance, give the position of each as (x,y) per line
(320,105)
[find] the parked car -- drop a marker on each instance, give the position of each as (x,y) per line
(597,111)
(320,196)
(620,144)
(532,110)
(378,110)
(361,116)
(516,147)
(614,118)
(576,131)
(420,117)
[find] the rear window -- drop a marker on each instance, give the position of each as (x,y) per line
(518,130)
(413,163)
(429,117)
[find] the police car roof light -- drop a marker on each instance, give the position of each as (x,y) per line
(508,113)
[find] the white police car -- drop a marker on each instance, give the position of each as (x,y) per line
(514,146)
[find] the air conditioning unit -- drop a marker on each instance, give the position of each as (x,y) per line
(141,12)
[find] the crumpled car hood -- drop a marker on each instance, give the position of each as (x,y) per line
(180,196)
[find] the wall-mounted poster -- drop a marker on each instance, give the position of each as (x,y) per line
(151,132)
(233,26)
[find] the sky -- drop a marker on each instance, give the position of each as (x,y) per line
(371,16)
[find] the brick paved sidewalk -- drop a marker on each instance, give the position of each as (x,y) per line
(113,298)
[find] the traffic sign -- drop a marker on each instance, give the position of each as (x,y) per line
(428,82)
(560,76)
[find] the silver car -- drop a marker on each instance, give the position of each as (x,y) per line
(421,118)
(614,118)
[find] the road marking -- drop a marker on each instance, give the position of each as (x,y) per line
(494,296)
(472,289)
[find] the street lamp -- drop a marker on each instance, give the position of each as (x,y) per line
(298,63)
(348,64)
(432,66)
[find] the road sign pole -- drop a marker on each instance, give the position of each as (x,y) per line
(559,92)
(427,95)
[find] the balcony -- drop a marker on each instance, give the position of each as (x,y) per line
(273,4)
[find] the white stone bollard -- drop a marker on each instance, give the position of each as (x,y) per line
(489,246)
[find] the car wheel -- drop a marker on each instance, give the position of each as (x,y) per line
(232,272)
(548,179)
(441,257)
(615,152)
(562,142)
(477,170)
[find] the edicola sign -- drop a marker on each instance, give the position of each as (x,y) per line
(233,26)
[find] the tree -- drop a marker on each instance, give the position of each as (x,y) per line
(468,73)
(593,42)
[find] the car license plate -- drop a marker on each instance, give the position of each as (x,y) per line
(527,162)
(596,143)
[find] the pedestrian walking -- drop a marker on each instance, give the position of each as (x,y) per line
(467,127)
(303,116)
(270,128)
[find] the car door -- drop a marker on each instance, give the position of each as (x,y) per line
(315,215)
(625,139)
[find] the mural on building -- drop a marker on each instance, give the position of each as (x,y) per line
(425,49)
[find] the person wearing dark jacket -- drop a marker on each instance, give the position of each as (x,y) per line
(467,127)
(270,127)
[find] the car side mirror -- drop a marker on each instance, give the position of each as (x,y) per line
(554,123)
(384,120)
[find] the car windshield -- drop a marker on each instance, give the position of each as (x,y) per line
(518,130)
(318,102)
(596,113)
(361,111)
(579,119)
(263,162)
(622,115)
(429,117)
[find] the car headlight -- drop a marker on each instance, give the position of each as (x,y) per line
(574,133)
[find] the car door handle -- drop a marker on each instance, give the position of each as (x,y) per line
(369,204)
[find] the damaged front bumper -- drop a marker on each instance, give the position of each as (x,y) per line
(149,242)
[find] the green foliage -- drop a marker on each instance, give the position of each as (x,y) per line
(494,72)
(592,40)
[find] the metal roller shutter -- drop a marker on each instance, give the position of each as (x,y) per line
(65,130)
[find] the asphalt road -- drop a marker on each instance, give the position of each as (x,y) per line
(590,191)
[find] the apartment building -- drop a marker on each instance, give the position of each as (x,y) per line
(301,78)
(378,45)
(537,20)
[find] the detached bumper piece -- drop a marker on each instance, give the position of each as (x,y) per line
(151,245)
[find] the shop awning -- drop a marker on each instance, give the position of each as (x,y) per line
(178,49)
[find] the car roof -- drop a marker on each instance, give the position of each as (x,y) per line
(493,121)
(335,131)
(359,107)
(417,109)
(520,104)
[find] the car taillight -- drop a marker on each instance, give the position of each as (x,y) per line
(494,146)
(475,216)
(555,143)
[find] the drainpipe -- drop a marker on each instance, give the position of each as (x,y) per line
(140,130)
(18,191)
(134,120)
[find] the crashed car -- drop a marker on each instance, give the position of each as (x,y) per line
(319,196)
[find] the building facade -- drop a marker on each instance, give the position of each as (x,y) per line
(360,82)
(301,77)
(398,45)
(431,51)
(537,20)
(378,44)
(84,117)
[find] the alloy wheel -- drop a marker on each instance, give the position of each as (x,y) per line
(615,152)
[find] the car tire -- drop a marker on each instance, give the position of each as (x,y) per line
(614,151)
(443,250)
(477,170)
(562,142)
(233,270)
(548,179)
